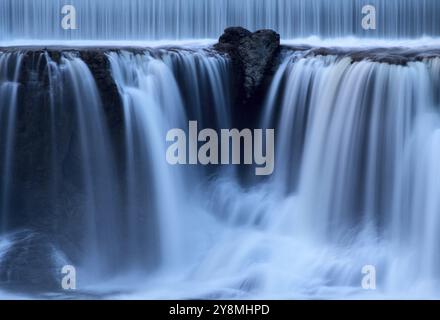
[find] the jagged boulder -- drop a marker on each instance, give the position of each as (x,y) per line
(233,35)
(257,52)
(254,57)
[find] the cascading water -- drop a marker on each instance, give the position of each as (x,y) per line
(355,182)
(160,93)
(85,181)
(345,201)
(192,19)
(342,203)
(362,138)
(9,73)
(96,171)
(74,174)
(144,226)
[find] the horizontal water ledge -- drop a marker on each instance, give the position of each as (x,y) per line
(193,43)
(399,54)
(346,42)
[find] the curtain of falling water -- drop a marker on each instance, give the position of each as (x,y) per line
(77,197)
(356,181)
(95,164)
(357,151)
(152,104)
(159,94)
(188,19)
(9,75)
(61,187)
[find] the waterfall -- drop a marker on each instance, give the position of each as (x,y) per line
(73,171)
(79,199)
(161,91)
(84,177)
(9,85)
(152,103)
(355,181)
(189,19)
(96,171)
(356,162)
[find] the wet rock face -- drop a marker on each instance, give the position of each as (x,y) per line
(99,65)
(257,53)
(255,59)
(232,36)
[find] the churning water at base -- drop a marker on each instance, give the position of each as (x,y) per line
(355,182)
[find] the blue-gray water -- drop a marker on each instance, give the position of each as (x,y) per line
(355,184)
(189,19)
(356,178)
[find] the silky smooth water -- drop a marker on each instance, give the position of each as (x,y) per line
(189,19)
(9,73)
(159,94)
(355,182)
(362,136)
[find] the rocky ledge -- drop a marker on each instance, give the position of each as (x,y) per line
(400,56)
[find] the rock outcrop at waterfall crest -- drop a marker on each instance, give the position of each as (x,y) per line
(254,57)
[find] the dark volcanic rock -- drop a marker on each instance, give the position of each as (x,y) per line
(233,36)
(257,53)
(254,57)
